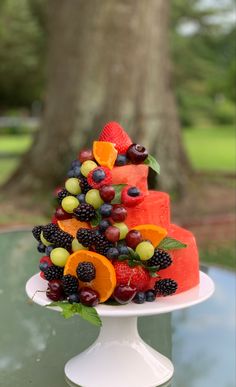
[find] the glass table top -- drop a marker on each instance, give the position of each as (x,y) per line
(35,343)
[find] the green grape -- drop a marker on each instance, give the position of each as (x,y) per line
(93,197)
(87,166)
(59,256)
(72,186)
(77,246)
(123,229)
(43,240)
(145,250)
(69,203)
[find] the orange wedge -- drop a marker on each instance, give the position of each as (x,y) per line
(105,280)
(71,226)
(153,233)
(104,153)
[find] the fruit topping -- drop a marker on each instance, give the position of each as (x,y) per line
(105,210)
(84,212)
(107,193)
(112,253)
(161,259)
(124,293)
(86,271)
(41,248)
(105,280)
(85,237)
(71,226)
(53,234)
(55,290)
(118,213)
(85,154)
(44,263)
(139,298)
(53,272)
(145,250)
(73,298)
(62,194)
(131,200)
(70,284)
(69,203)
(105,153)
(93,197)
(114,133)
(112,234)
(77,246)
(123,229)
(101,243)
(104,224)
(99,176)
(84,185)
(81,197)
(133,238)
(151,232)
(87,166)
(121,160)
(61,214)
(136,276)
(59,256)
(150,295)
(88,296)
(36,231)
(72,186)
(136,153)
(165,287)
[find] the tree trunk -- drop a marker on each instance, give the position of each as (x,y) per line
(107,60)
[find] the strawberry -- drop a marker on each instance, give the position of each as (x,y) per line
(136,276)
(113,132)
(131,196)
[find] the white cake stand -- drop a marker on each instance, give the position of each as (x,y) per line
(119,357)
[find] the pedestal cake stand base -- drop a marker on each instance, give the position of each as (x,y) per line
(119,357)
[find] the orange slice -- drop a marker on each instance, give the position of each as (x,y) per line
(72,225)
(105,280)
(104,153)
(153,233)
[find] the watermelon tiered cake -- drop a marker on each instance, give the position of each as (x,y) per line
(111,239)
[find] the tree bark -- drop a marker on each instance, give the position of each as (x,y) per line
(107,60)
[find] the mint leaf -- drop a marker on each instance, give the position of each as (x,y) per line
(118,188)
(86,312)
(153,274)
(171,244)
(133,254)
(123,257)
(96,220)
(152,163)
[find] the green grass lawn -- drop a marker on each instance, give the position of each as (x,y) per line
(211,149)
(15,143)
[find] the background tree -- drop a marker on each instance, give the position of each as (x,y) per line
(107,61)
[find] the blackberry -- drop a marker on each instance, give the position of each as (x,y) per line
(84,185)
(165,287)
(53,234)
(36,231)
(62,194)
(160,258)
(70,284)
(85,237)
(101,243)
(86,271)
(85,212)
(53,272)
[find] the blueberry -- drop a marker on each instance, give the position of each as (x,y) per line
(73,298)
(70,173)
(121,160)
(133,191)
(43,266)
(123,250)
(105,210)
(139,298)
(104,224)
(150,295)
(98,175)
(48,250)
(81,198)
(112,253)
(75,163)
(77,171)
(41,248)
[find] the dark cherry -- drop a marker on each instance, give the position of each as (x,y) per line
(124,293)
(60,214)
(118,213)
(55,290)
(137,153)
(88,296)
(107,193)
(86,154)
(133,238)
(112,233)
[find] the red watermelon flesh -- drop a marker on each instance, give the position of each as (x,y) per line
(135,175)
(185,267)
(155,209)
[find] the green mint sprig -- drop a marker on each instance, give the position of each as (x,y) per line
(152,163)
(169,243)
(86,312)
